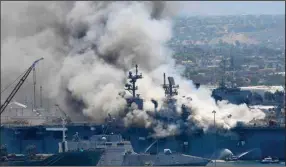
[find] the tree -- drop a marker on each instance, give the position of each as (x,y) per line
(254,80)
(275,80)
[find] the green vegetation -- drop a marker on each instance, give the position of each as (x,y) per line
(275,80)
(253,47)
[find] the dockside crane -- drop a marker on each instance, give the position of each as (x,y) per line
(18,86)
(65,119)
(65,116)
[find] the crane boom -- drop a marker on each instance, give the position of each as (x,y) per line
(18,86)
(64,113)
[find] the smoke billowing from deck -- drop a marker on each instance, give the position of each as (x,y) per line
(88,49)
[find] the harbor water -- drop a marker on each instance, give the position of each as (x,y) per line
(243,163)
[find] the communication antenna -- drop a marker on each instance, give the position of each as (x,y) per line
(133,79)
(165,87)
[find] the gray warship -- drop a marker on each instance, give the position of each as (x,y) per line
(237,95)
(118,152)
(109,150)
(254,140)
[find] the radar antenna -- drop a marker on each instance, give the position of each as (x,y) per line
(133,78)
(171,88)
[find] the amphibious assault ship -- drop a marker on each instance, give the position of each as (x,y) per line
(241,95)
(250,140)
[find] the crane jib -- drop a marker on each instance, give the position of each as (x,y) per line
(18,86)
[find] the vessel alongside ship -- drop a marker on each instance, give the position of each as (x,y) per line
(242,138)
(109,150)
(270,160)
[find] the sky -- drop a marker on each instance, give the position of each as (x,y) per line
(191,8)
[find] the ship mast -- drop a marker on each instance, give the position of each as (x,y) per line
(133,79)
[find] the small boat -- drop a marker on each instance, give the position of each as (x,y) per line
(270,160)
(275,160)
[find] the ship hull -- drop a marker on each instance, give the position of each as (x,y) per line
(254,142)
(247,143)
(87,158)
(164,160)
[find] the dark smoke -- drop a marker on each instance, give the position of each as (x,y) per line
(88,48)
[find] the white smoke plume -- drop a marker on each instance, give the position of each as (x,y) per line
(88,48)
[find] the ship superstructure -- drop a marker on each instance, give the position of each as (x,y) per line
(249,95)
(131,87)
(233,94)
(168,112)
(240,139)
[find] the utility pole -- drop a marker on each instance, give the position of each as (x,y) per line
(41,97)
(34,80)
(64,129)
(214,112)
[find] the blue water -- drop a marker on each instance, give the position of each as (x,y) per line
(244,163)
